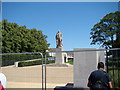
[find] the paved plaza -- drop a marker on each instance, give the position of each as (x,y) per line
(31,76)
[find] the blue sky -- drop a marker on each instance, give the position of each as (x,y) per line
(74,19)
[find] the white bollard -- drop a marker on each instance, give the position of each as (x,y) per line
(16,64)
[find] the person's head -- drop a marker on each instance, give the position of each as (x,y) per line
(100,65)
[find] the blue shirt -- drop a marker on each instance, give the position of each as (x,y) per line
(99,75)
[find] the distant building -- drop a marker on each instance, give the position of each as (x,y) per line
(67,55)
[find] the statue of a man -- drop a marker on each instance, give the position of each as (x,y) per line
(59,40)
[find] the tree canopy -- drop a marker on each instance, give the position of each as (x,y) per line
(107,31)
(17,38)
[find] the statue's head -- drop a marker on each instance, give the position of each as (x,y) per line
(58,30)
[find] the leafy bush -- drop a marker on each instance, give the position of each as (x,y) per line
(70,62)
(31,63)
(9,59)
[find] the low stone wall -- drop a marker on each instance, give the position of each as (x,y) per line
(16,63)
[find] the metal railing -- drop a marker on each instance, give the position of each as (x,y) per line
(43,65)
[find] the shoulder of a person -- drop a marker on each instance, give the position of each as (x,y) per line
(94,71)
(2,75)
(105,72)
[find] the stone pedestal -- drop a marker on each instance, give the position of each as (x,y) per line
(59,56)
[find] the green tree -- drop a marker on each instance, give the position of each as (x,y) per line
(17,38)
(107,31)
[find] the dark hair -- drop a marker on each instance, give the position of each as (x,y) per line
(100,65)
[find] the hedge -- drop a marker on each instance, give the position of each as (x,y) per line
(31,63)
(9,59)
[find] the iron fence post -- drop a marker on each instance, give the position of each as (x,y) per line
(106,60)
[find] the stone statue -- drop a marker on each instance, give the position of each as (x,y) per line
(59,40)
